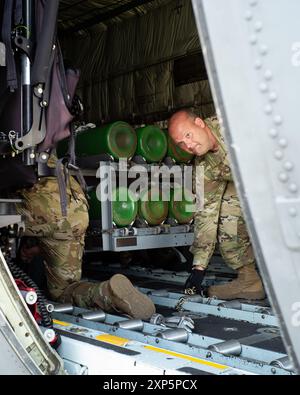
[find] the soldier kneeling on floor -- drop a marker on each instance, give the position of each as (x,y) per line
(54,206)
(61,243)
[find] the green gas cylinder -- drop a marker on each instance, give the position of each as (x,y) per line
(180,210)
(155,209)
(124,207)
(176,153)
(152,143)
(117,139)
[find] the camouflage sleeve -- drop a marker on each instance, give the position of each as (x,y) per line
(206,223)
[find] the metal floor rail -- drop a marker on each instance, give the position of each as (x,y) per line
(234,310)
(222,356)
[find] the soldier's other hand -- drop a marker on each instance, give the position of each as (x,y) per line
(195,280)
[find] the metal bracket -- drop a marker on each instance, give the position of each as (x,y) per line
(37,133)
(24,45)
(260,134)
(283,363)
(27,335)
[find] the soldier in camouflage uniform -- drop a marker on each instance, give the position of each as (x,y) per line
(61,240)
(221,220)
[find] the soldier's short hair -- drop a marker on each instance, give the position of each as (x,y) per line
(186,111)
(190,113)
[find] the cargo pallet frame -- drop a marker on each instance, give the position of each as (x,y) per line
(132,238)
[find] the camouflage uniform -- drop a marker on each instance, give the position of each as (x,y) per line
(221,219)
(61,240)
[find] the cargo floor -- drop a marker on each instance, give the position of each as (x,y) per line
(262,337)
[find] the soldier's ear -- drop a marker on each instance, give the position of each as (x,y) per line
(199,122)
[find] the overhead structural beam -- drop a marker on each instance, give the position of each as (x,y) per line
(107,15)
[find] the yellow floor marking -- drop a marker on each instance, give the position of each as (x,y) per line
(117,341)
(192,359)
(61,323)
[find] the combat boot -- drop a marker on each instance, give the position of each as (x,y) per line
(248,285)
(122,296)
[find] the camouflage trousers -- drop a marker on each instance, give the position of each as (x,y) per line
(222,222)
(61,241)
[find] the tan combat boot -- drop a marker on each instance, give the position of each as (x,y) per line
(120,294)
(248,285)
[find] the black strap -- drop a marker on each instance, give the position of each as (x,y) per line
(18,12)
(72,145)
(63,80)
(47,90)
(62,179)
(47,16)
(12,82)
(72,160)
(82,183)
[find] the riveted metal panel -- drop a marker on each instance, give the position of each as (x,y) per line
(251,49)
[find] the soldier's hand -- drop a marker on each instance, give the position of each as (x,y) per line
(195,280)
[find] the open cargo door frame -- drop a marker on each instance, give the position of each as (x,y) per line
(24,349)
(254,71)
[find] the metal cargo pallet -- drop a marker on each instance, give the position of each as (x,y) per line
(135,238)
(170,350)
